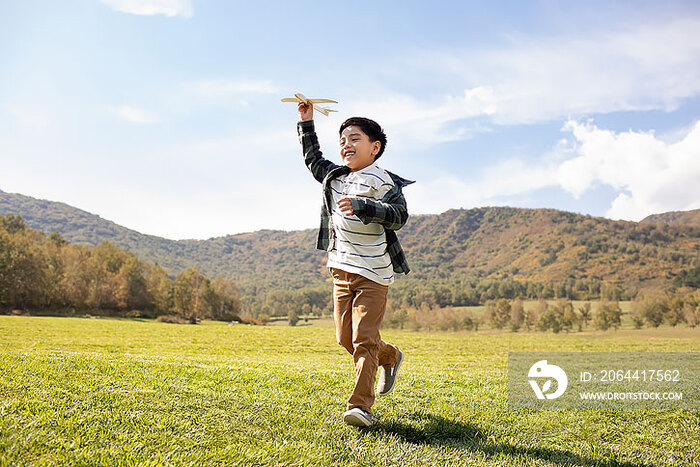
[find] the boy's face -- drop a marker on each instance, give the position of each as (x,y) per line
(356,150)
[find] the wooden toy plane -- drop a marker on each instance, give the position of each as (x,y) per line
(299,97)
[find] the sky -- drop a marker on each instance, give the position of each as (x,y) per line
(164,116)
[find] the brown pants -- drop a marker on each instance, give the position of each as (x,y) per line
(358,310)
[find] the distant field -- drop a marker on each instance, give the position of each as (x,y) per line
(131,392)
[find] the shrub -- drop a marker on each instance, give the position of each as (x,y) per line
(293,317)
(171,319)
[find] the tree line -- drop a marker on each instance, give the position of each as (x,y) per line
(650,310)
(45,273)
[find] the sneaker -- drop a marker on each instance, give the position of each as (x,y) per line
(387,378)
(358,417)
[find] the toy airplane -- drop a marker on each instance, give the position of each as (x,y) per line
(299,97)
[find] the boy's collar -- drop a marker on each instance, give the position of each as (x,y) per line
(373,165)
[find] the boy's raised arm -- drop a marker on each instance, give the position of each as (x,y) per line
(313,157)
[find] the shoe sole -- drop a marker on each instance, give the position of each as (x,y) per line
(356,420)
(399,360)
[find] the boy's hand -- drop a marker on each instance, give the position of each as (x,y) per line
(306,111)
(345,206)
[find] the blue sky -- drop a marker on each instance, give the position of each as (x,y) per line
(165,116)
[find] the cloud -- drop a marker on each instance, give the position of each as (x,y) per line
(170,8)
(497,185)
(525,81)
(136,115)
(649,174)
(652,175)
(407,117)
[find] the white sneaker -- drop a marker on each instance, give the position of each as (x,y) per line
(358,417)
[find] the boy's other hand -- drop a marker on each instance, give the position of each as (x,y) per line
(306,111)
(345,206)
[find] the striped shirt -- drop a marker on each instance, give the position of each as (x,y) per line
(390,212)
(361,248)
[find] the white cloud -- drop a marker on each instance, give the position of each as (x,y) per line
(410,119)
(170,8)
(136,115)
(492,187)
(646,67)
(652,175)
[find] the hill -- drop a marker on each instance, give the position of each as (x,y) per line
(675,217)
(499,243)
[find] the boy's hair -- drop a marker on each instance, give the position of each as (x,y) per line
(370,128)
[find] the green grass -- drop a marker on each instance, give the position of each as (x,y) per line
(121,392)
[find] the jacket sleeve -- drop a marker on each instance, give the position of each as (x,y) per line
(313,158)
(391,214)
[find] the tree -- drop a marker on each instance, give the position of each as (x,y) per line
(498,312)
(550,319)
(608,315)
(585,313)
(517,315)
(76,277)
(674,311)
(160,289)
(398,318)
(651,309)
(228,304)
(12,223)
(54,273)
(133,290)
(188,290)
(569,318)
(102,268)
(23,266)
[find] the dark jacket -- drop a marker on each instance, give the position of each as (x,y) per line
(390,211)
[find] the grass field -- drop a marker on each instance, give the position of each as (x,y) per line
(129,392)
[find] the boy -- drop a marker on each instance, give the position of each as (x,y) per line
(363,206)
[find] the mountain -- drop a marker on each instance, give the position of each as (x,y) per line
(539,245)
(675,217)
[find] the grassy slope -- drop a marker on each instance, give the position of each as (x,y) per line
(80,391)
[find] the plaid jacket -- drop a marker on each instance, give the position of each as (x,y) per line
(390,211)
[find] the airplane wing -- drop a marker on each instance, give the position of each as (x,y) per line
(313,101)
(299,97)
(324,110)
